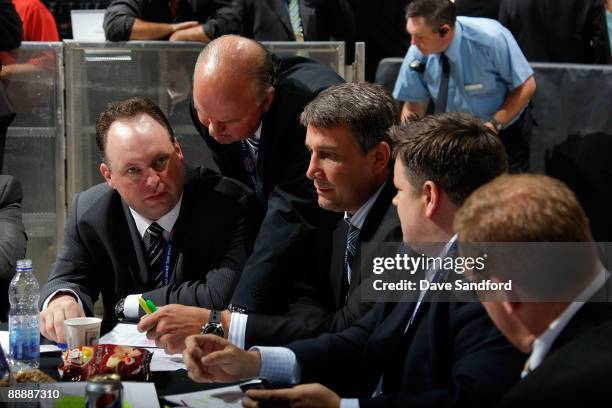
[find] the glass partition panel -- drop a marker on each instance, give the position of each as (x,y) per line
(99,73)
(34,151)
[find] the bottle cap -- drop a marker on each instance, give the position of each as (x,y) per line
(24,265)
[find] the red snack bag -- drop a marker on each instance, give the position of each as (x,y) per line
(131,363)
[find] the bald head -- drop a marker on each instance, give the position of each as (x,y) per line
(232,87)
(233,61)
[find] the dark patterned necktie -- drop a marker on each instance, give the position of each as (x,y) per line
(440,105)
(349,253)
(155,245)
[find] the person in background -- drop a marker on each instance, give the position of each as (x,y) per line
(175,20)
(13,238)
(563,31)
(286,20)
(468,64)
(558,308)
(38,22)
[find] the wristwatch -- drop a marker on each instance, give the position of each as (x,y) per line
(214,324)
(497,125)
(119,309)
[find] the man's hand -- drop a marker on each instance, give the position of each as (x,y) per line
(303,396)
(171,324)
(210,358)
(60,308)
(490,126)
(190,34)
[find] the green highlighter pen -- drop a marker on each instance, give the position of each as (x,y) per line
(151,306)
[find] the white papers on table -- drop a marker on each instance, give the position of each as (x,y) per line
(4,342)
(138,395)
(126,335)
(226,397)
(166,362)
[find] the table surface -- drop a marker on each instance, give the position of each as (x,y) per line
(166,382)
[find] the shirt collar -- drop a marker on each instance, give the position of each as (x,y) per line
(257,134)
(357,219)
(454,48)
(167,221)
(542,344)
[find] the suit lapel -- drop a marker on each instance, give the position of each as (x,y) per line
(280,9)
(337,261)
(181,227)
(370,225)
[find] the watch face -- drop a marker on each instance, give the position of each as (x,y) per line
(213,328)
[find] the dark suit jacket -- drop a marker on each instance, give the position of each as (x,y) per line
(577,371)
(323,309)
(477,8)
(13,238)
(572,31)
(120,14)
(268,20)
(451,356)
(103,250)
(382,26)
(289,198)
(10,26)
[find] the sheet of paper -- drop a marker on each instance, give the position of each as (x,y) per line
(138,395)
(126,335)
(166,362)
(4,342)
(226,397)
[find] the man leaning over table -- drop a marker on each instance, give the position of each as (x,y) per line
(156,227)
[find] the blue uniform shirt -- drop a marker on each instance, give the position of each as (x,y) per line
(486,64)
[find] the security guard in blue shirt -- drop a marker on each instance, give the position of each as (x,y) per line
(469,65)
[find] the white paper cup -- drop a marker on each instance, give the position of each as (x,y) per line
(82,331)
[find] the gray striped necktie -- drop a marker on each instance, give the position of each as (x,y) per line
(155,245)
(296,20)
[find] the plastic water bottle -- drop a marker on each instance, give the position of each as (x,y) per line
(24,336)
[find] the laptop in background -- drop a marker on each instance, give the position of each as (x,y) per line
(87,25)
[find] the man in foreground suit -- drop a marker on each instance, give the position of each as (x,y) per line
(561,314)
(399,354)
(246,107)
(350,150)
(172,234)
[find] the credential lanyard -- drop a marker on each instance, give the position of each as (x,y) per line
(167,258)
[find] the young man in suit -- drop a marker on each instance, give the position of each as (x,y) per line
(346,134)
(246,107)
(559,306)
(156,228)
(418,353)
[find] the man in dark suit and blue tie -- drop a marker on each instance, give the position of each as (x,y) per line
(419,353)
(171,233)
